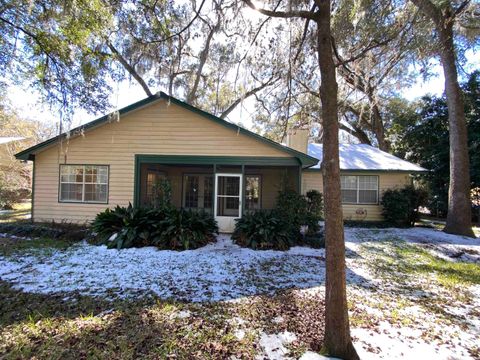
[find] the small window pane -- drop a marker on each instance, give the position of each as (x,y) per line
(367,196)
(349,196)
(229,185)
(368,182)
(228,206)
(348,182)
(94,192)
(71,192)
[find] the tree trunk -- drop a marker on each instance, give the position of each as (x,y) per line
(337,331)
(459,217)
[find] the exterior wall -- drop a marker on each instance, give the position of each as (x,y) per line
(359,212)
(160,129)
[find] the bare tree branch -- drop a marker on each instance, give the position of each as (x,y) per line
(131,70)
(246,95)
(283,14)
(197,14)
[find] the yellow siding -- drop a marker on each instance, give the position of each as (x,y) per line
(161,129)
(313,180)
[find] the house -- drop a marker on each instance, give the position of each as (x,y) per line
(210,164)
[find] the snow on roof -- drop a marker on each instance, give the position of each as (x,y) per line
(364,157)
(7,139)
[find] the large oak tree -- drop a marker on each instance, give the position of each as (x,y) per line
(443,16)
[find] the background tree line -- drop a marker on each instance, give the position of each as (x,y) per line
(420,133)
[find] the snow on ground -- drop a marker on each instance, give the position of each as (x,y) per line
(219,271)
(411,315)
(394,314)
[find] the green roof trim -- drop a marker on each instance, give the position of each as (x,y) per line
(305,160)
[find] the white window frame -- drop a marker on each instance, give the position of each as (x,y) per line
(83,183)
(357,202)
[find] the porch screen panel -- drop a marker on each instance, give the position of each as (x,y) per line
(208,192)
(191,191)
(153,189)
(252,192)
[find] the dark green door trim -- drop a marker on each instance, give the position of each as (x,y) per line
(217,160)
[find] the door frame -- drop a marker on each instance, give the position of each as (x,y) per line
(218,218)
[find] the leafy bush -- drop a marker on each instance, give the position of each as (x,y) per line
(299,210)
(184,229)
(125,227)
(400,206)
(166,228)
(264,230)
(316,241)
(315,202)
(280,228)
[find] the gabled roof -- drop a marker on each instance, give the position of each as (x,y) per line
(362,157)
(29,153)
(7,139)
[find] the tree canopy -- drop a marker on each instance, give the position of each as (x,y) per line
(420,134)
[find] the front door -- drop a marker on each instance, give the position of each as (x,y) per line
(228,200)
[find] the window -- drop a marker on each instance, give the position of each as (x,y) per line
(252,192)
(84,183)
(359,189)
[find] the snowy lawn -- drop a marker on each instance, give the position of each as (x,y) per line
(411,291)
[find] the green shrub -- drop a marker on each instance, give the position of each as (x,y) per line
(299,210)
(132,226)
(184,229)
(281,228)
(315,203)
(264,230)
(166,228)
(400,206)
(316,241)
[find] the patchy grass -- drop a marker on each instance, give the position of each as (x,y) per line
(15,246)
(81,327)
(398,258)
(72,326)
(414,276)
(450,274)
(20,212)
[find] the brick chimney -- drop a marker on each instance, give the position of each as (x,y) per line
(298,139)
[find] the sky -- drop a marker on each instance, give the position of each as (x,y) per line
(125,93)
